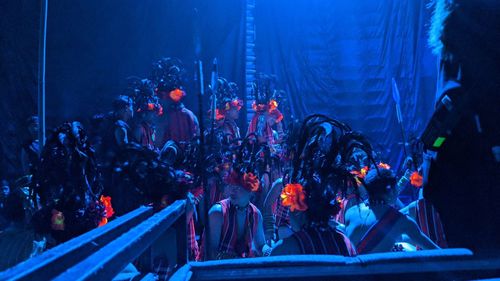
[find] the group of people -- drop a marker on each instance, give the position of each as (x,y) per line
(311,187)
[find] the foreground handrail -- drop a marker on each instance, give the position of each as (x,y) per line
(457,264)
(56,260)
(107,262)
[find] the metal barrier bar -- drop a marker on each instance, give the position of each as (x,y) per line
(107,262)
(449,264)
(56,260)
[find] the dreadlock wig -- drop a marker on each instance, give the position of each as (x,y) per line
(320,174)
(68,185)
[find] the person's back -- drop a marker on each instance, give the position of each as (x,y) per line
(316,241)
(428,219)
(377,226)
(309,221)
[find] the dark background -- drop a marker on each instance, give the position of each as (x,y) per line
(332,57)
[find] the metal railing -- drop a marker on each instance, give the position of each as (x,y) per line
(449,264)
(102,253)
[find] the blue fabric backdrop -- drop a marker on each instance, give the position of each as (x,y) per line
(338,58)
(332,57)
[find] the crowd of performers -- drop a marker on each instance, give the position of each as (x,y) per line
(313,186)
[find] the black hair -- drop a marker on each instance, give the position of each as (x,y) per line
(379,181)
(322,151)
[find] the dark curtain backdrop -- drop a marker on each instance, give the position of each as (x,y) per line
(18,69)
(338,58)
(332,57)
(92,46)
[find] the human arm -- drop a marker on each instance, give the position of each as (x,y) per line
(215,219)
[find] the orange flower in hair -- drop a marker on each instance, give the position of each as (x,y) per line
(383,166)
(237,103)
(273,105)
(176,95)
(106,201)
(234,103)
(361,173)
(339,201)
(247,180)
(250,182)
(219,114)
(293,196)
(416,179)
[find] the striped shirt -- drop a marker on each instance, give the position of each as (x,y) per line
(430,223)
(229,245)
(194,250)
(323,241)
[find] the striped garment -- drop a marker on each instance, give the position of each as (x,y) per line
(430,223)
(261,128)
(147,136)
(194,250)
(323,241)
(377,232)
(282,214)
(229,246)
(231,130)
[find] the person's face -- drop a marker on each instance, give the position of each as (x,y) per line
(233,113)
(238,195)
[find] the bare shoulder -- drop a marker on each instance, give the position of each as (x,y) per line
(215,210)
(356,210)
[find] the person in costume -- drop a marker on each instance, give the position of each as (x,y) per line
(377,226)
(31,148)
(178,123)
(236,229)
(68,186)
(147,109)
(266,123)
(228,108)
(115,133)
(424,213)
(314,188)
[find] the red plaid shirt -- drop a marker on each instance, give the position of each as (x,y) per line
(430,223)
(194,250)
(228,245)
